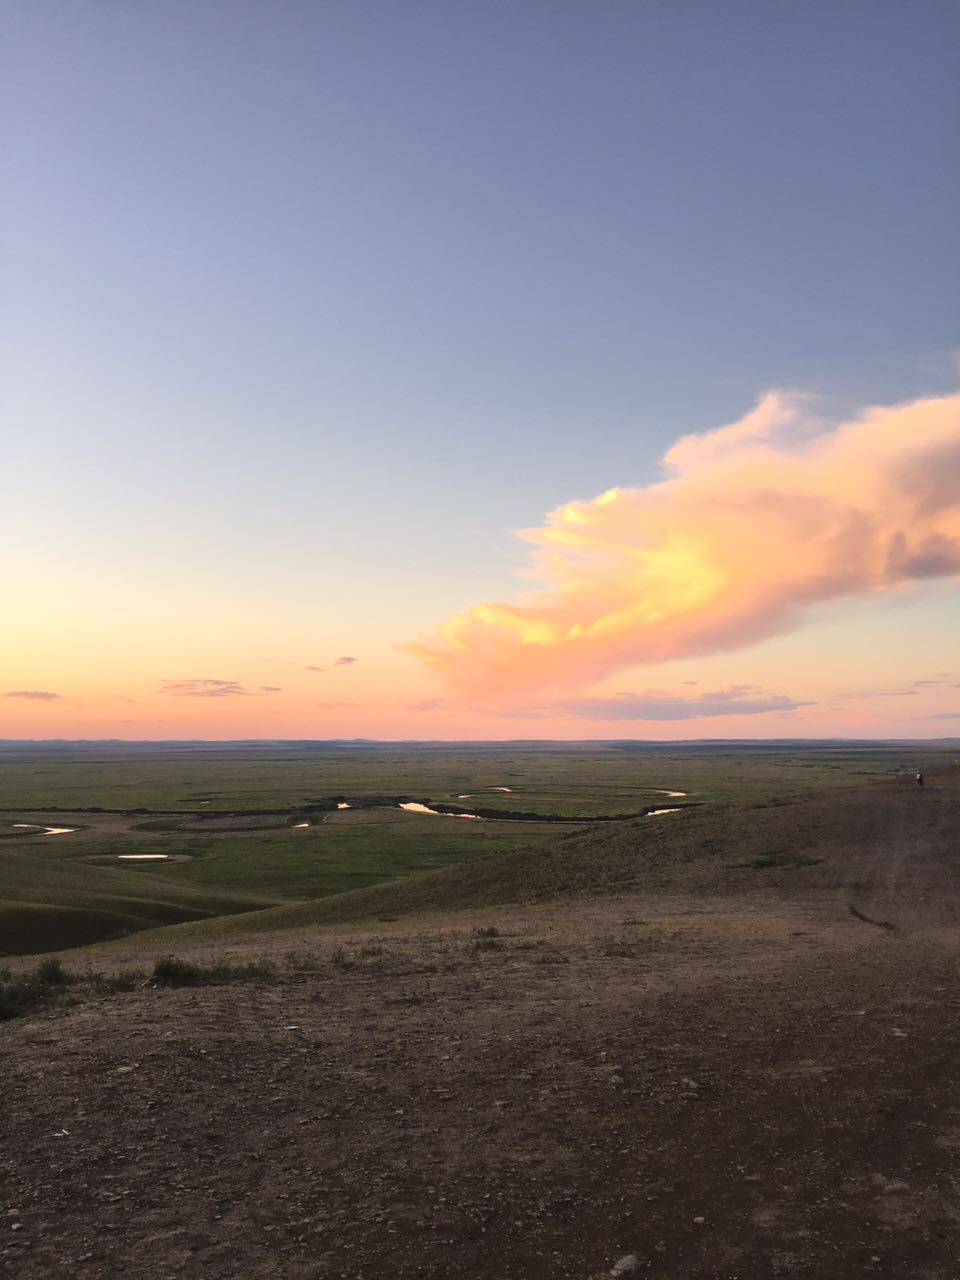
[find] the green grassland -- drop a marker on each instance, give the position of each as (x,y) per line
(226,822)
(563,779)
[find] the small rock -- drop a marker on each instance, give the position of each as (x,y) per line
(701,1220)
(630,1262)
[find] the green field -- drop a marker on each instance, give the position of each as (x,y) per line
(565,779)
(228,821)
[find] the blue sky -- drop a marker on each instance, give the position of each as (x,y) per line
(332,296)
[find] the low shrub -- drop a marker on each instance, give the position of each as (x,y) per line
(168,971)
(51,972)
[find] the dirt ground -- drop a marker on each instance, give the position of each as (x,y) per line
(737,1087)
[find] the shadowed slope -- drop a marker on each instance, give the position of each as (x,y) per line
(47,905)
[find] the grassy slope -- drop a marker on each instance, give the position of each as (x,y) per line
(359,859)
(801,842)
(49,905)
(677,851)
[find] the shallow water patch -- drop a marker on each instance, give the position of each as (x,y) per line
(45,831)
(412,806)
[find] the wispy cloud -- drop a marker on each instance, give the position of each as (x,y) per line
(271,688)
(657,705)
(429,704)
(34,695)
(337,662)
(876,693)
(754,523)
(944,715)
(335,706)
(205,688)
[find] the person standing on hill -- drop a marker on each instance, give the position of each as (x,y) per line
(919,778)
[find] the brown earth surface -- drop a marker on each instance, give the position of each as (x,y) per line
(736,1084)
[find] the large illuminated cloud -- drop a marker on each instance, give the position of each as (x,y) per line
(754,523)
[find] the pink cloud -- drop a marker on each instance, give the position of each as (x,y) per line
(752,525)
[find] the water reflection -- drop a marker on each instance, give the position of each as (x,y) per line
(45,831)
(411,806)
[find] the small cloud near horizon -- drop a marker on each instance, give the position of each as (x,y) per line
(271,688)
(738,700)
(34,695)
(206,688)
(345,661)
(877,693)
(943,715)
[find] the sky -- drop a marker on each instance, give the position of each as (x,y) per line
(479,370)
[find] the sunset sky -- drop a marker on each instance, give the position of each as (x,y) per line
(480,370)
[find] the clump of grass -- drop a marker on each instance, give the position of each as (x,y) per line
(341,958)
(368,953)
(487,944)
(21,993)
(107,984)
(48,983)
(168,971)
(491,931)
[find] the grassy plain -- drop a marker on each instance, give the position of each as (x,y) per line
(566,779)
(228,822)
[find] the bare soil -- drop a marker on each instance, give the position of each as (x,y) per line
(735,1086)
